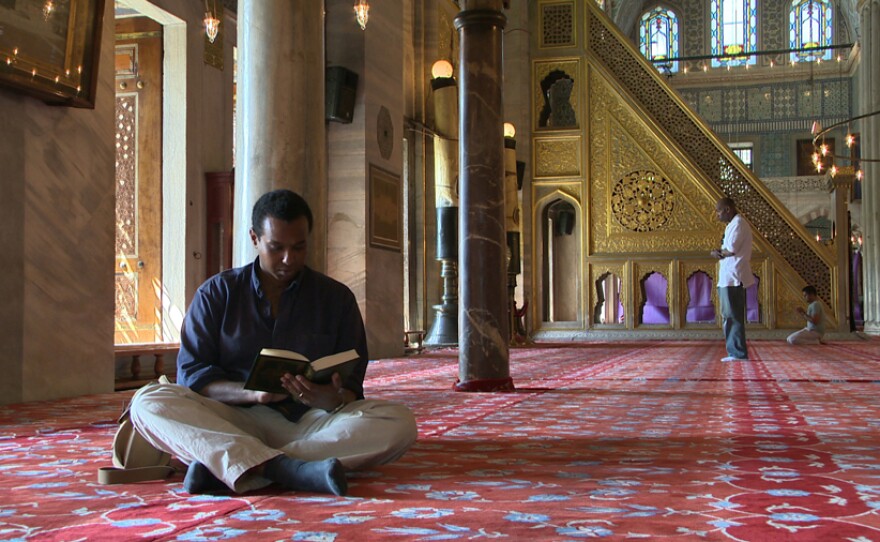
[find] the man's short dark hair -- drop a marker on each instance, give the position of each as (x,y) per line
(282,204)
(727,202)
(810,289)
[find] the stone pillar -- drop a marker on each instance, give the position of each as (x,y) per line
(484,358)
(280,130)
(869,101)
(841,185)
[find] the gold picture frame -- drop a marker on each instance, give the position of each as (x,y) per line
(385,209)
(50,49)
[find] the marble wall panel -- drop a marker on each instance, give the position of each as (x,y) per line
(12,188)
(372,138)
(59,243)
(383,134)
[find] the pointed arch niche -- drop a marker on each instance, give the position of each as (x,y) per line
(608,300)
(559,255)
(700,298)
(654,308)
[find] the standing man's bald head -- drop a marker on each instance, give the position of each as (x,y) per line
(725,209)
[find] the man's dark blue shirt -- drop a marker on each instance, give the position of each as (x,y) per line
(230,321)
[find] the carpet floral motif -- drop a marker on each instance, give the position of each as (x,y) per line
(652,440)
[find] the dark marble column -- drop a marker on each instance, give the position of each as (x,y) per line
(484,358)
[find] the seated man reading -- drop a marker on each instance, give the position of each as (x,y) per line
(815,317)
(240,439)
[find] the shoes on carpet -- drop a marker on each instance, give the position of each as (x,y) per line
(731,358)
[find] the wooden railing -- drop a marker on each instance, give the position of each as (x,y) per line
(135,351)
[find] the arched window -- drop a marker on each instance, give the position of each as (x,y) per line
(810,27)
(734,32)
(658,37)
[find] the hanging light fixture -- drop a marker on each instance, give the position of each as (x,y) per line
(48,9)
(212,23)
(362,12)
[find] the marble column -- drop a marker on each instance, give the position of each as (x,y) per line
(280,128)
(484,358)
(841,186)
(869,101)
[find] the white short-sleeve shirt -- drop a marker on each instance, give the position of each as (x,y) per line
(736,270)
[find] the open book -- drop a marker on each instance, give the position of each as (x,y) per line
(271,364)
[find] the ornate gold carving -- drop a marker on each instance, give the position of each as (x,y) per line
(620,143)
(642,201)
(635,147)
(547,192)
(558,24)
(558,157)
(643,269)
(541,70)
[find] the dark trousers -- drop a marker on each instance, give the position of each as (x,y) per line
(733,314)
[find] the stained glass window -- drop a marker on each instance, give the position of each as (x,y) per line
(734,32)
(658,38)
(809,28)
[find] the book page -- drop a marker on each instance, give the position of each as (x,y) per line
(279,353)
(334,359)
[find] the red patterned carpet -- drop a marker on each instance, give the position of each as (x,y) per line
(602,440)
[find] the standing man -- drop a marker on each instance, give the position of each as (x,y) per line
(734,276)
(239,439)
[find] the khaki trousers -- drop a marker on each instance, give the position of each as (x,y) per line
(230,440)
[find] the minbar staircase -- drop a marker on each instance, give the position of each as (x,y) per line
(793,250)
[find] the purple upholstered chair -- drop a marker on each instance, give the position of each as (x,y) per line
(700,307)
(858,314)
(656,309)
(753,307)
